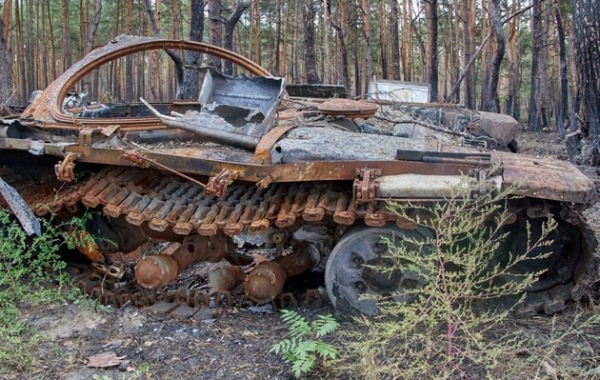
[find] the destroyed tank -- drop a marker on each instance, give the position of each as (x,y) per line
(245,165)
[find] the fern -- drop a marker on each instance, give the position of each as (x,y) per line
(304,347)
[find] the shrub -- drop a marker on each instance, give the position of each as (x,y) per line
(453,326)
(27,266)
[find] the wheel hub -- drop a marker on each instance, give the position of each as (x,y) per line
(361,270)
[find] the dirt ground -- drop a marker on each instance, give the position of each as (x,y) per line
(218,343)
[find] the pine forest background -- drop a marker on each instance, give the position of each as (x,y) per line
(511,56)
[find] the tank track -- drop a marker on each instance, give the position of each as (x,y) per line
(168,202)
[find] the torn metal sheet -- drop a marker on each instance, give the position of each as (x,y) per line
(235,111)
(26,217)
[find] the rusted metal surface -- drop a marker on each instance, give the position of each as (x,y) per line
(218,184)
(550,300)
(155,271)
(366,185)
(46,110)
(546,179)
(304,171)
(159,270)
(144,162)
(225,278)
(65,169)
(262,153)
(351,109)
(265,282)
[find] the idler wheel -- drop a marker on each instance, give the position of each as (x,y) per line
(156,271)
(265,282)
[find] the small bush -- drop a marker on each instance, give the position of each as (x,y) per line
(304,347)
(31,273)
(453,329)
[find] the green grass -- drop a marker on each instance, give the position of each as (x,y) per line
(32,276)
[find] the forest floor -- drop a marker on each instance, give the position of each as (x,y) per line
(220,343)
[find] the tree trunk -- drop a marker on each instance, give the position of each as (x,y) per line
(6,71)
(431,58)
(395,37)
(366,26)
(276,70)
(256,38)
(129,84)
(563,100)
(90,39)
(20,42)
(215,31)
(513,99)
(407,41)
(468,15)
(535,119)
(310,59)
(586,25)
(383,40)
(44,62)
(489,97)
(294,66)
(340,29)
(230,23)
(190,88)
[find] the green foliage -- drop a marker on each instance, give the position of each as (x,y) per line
(472,282)
(31,273)
(304,347)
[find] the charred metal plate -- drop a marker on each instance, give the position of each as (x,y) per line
(547,178)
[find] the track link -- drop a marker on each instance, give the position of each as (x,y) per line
(164,201)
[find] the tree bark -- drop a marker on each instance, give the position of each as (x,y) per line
(407,41)
(586,25)
(129,85)
(90,38)
(513,99)
(395,37)
(468,16)
(256,33)
(366,27)
(310,59)
(490,101)
(276,70)
(431,59)
(563,100)
(383,40)
(535,119)
(215,31)
(190,88)
(21,80)
(6,70)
